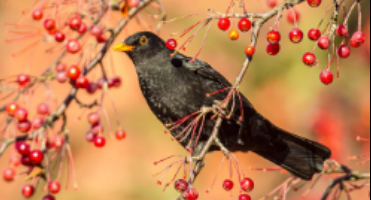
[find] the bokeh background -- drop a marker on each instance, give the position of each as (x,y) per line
(281,88)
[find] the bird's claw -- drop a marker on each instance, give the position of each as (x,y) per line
(219,111)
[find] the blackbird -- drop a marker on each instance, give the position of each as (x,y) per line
(175,86)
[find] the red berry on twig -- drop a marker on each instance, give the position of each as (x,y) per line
(23,148)
(54,187)
(309,59)
(228,185)
(342,30)
(250,51)
(244,197)
(28,191)
(224,24)
(120,135)
(73,46)
(75,23)
(181,185)
(43,109)
(327,77)
(324,42)
(296,35)
(59,36)
(314,34)
(244,25)
(37,14)
(247,185)
(274,37)
(23,79)
(49,24)
(24,126)
(191,194)
(344,51)
(273,49)
(49,197)
(73,72)
(293,16)
(82,82)
(171,44)
(99,141)
(12,108)
(21,114)
(9,174)
(36,157)
(314,3)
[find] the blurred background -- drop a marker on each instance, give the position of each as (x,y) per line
(281,88)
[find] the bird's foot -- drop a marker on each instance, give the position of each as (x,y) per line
(219,111)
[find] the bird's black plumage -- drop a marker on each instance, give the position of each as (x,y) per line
(175,87)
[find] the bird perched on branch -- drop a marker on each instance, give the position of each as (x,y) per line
(175,86)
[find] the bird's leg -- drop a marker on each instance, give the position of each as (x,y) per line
(218,110)
(222,147)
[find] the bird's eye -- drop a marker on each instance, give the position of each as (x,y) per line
(143,40)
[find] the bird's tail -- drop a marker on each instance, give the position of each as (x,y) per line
(301,157)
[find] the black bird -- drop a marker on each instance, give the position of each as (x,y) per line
(176,86)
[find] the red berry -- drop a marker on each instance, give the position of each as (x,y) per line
(133,3)
(244,25)
(49,24)
(224,24)
(58,142)
(99,142)
(75,23)
(344,51)
(101,38)
(244,197)
(82,82)
(274,37)
(309,59)
(37,14)
(73,72)
(296,35)
(250,51)
(359,37)
(92,88)
(96,30)
(43,109)
(59,36)
(272,3)
(9,174)
(314,3)
(23,148)
(28,191)
(60,67)
(247,185)
(342,30)
(273,49)
(314,34)
(61,77)
(83,28)
(327,77)
(191,194)
(181,185)
(21,114)
(24,126)
(23,79)
(355,44)
(120,135)
(26,161)
(228,185)
(116,81)
(94,119)
(324,42)
(36,157)
(73,46)
(293,16)
(12,108)
(49,197)
(171,44)
(54,187)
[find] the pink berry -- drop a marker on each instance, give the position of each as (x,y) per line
(73,46)
(133,3)
(61,77)
(37,14)
(327,77)
(94,119)
(96,30)
(58,142)
(272,3)
(43,109)
(293,16)
(75,23)
(9,174)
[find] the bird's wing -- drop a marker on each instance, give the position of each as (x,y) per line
(203,69)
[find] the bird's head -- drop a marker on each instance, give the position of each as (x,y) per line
(142,45)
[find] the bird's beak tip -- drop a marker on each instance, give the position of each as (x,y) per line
(123,48)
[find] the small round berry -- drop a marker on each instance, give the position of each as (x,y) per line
(37,14)
(9,174)
(309,59)
(293,16)
(120,135)
(28,191)
(272,3)
(24,126)
(191,194)
(59,36)
(49,197)
(12,108)
(342,30)
(49,24)
(83,28)
(15,161)
(244,197)
(61,77)
(228,185)
(82,82)
(247,185)
(21,114)
(75,23)
(296,35)
(274,37)
(52,31)
(116,81)
(314,3)
(73,46)
(54,187)
(171,44)
(58,142)
(89,136)
(43,109)
(327,77)
(344,51)
(73,72)
(234,35)
(324,42)
(355,44)
(97,129)
(96,30)
(60,67)
(23,79)
(23,148)
(181,185)
(359,37)
(133,3)
(244,25)
(92,88)
(99,141)
(101,38)
(250,51)
(314,34)
(26,161)
(224,24)
(273,49)
(36,157)
(94,119)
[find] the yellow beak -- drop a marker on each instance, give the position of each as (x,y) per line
(123,48)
